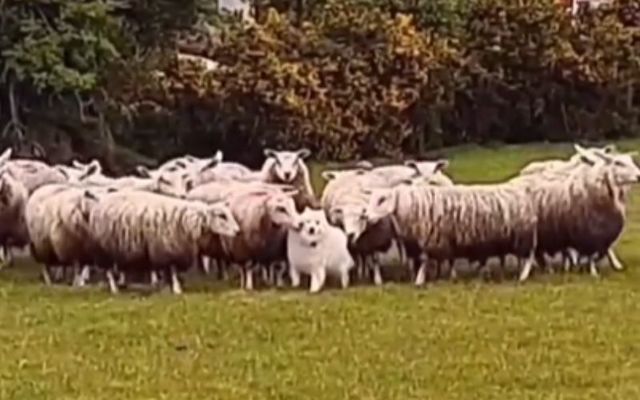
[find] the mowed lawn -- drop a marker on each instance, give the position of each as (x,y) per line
(562,336)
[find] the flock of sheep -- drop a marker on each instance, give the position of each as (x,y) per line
(222,216)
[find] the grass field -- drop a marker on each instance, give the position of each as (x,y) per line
(556,337)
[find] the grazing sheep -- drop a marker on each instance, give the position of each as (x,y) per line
(475,222)
(137,228)
(315,247)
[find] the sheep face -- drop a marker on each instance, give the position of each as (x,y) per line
(591,155)
(625,170)
(176,184)
(311,226)
(427,168)
(287,164)
(330,175)
(282,209)
(220,219)
(353,220)
(382,203)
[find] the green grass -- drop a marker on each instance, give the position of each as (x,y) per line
(555,337)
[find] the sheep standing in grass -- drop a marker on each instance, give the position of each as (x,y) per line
(264,217)
(13,198)
(582,209)
(473,222)
(57,217)
(138,229)
(316,248)
(583,161)
(222,191)
(344,200)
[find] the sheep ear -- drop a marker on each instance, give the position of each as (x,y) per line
(218,156)
(441,165)
(412,164)
(579,149)
(77,164)
(89,195)
(91,170)
(62,171)
(95,164)
(143,171)
(6,155)
(304,153)
(586,160)
(212,163)
(329,175)
(269,153)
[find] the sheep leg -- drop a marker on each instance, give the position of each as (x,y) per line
(317,280)
(3,257)
(176,287)
(422,273)
(223,269)
(294,275)
(281,269)
(593,267)
(80,275)
(377,275)
(361,268)
(7,256)
(113,287)
(344,279)
(46,275)
(155,280)
(241,271)
(453,272)
(526,269)
(206,264)
(265,274)
(248,281)
(85,275)
(614,261)
(568,263)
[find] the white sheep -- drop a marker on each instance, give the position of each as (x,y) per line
(138,229)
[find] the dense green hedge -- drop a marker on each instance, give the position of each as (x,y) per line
(352,78)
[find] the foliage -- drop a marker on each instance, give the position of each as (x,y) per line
(343,84)
(346,78)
